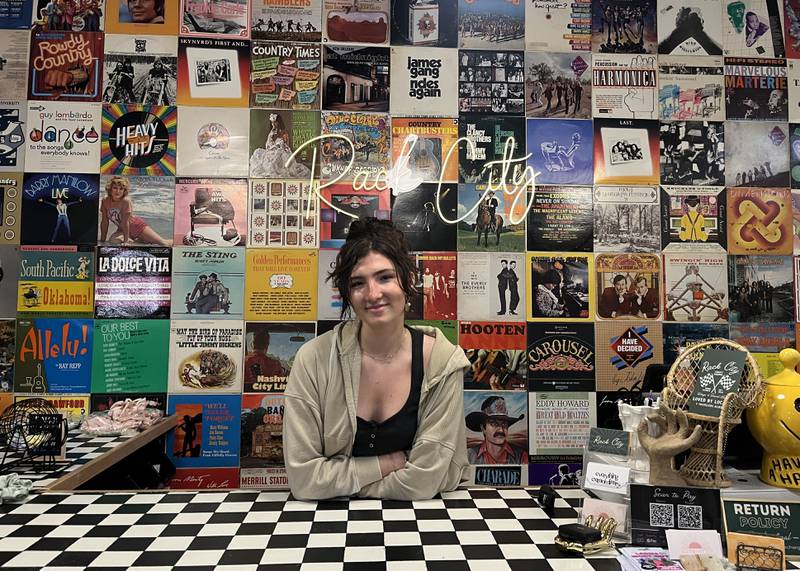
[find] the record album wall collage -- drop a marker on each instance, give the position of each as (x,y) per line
(587,188)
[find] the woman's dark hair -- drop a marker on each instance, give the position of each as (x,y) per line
(367,235)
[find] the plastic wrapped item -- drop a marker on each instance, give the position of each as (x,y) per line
(124,417)
(13,488)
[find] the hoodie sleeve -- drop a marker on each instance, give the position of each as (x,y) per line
(438,457)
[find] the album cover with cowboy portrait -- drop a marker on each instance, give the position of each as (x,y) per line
(497,431)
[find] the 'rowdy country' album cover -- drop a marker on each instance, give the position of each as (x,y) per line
(128,356)
(691,88)
(9,258)
(624,27)
(491,82)
(628,286)
(425,216)
(12,136)
(285,75)
(367,145)
(275,136)
(561,357)
(567,26)
(207,283)
(498,140)
(10,205)
(139,139)
(423,144)
(213,142)
(561,287)
(757,154)
(269,351)
(753,28)
(424,82)
(435,286)
(60,208)
(149,17)
(559,422)
(62,137)
(760,221)
(364,22)
(207,430)
(490,286)
(140,69)
(560,150)
(490,221)
(692,153)
(626,219)
(281,285)
(340,204)
(557,85)
(690,28)
(66,66)
(213,72)
(560,218)
(761,289)
(756,89)
(55,281)
(226,19)
(136,210)
(356,78)
(490,24)
(262,442)
(205,356)
(624,349)
(210,212)
(693,218)
(626,151)
(497,427)
(14,47)
(695,287)
(286,20)
(282,213)
(496,352)
(133,282)
(432,23)
(624,86)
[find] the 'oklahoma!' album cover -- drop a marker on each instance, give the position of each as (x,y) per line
(756,89)
(60,208)
(269,352)
(695,287)
(567,26)
(356,78)
(690,28)
(424,82)
(624,27)
(55,281)
(65,66)
(691,88)
(626,219)
(12,131)
(139,139)
(561,287)
(496,352)
(133,282)
(205,356)
(285,75)
(210,212)
(693,219)
(213,72)
(282,213)
(558,85)
(364,22)
(423,144)
(560,218)
(561,356)
(227,19)
(286,20)
(207,283)
(491,81)
(692,153)
(760,221)
(213,142)
(140,69)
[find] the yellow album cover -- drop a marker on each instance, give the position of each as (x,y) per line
(74,408)
(281,285)
(151,17)
(561,288)
(760,221)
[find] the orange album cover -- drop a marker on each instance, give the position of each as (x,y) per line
(151,17)
(760,221)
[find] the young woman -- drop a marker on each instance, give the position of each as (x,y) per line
(117,208)
(375,407)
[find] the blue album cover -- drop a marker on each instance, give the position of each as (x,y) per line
(16,14)
(207,283)
(679,336)
(560,150)
(60,208)
(207,432)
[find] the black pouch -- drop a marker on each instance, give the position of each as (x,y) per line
(579,533)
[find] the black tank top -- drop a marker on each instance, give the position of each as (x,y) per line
(398,431)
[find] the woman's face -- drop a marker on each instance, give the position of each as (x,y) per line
(375,292)
(117,191)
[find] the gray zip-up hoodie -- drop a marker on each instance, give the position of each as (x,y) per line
(319,423)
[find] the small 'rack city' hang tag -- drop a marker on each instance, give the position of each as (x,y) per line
(718,374)
(608,441)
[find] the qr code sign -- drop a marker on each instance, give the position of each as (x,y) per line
(690,517)
(662,515)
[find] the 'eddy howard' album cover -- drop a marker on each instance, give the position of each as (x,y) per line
(55,281)
(560,150)
(128,356)
(427,158)
(491,140)
(491,81)
(10,205)
(490,221)
(693,218)
(424,82)
(756,89)
(133,282)
(136,210)
(281,285)
(53,356)
(139,139)
(286,20)
(628,286)
(435,287)
(757,154)
(423,216)
(66,66)
(275,135)
(356,78)
(490,442)
(624,350)
(496,352)
(210,212)
(368,148)
(285,75)
(753,28)
(12,131)
(283,213)
(561,287)
(761,289)
(60,208)
(207,430)
(491,24)
(560,218)
(626,219)
(62,137)
(692,153)
(262,442)
(760,221)
(340,204)
(690,28)
(226,19)
(207,283)
(624,27)
(9,258)
(14,47)
(269,351)
(626,151)
(561,357)
(205,356)
(568,26)
(213,72)
(691,88)
(624,86)
(431,23)
(557,85)
(213,142)
(140,69)
(559,422)
(696,287)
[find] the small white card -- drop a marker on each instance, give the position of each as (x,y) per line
(607,478)
(693,542)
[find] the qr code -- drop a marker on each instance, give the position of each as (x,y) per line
(690,517)
(662,515)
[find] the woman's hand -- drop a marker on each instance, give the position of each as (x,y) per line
(392,462)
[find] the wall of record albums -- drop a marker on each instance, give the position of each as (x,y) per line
(662,133)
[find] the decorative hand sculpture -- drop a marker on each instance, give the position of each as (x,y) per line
(676,436)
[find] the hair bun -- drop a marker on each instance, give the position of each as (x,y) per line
(367,228)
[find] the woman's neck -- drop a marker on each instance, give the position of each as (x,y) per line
(382,339)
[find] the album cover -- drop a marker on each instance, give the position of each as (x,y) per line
(366,153)
(356,78)
(432,23)
(491,82)
(341,204)
(213,72)
(761,289)
(55,281)
(424,146)
(561,287)
(680,336)
(761,337)
(791,28)
(491,23)
(261,447)
(140,69)
(505,476)
(209,19)
(628,286)
(690,28)
(139,139)
(61,137)
(624,26)
(692,153)
(560,218)
(132,283)
(14,47)
(485,437)
(693,218)
(757,154)
(626,151)
(626,219)
(760,221)
(136,210)
(276,135)
(214,142)
(281,285)
(499,140)
(210,212)
(16,14)
(490,286)
(756,89)
(270,349)
(489,220)
(557,85)
(11,207)
(59,208)
(330,302)
(436,297)
(555,470)
(12,136)
(205,356)
(624,351)
(365,22)
(794,157)
(65,66)
(560,150)
(561,357)
(625,86)
(424,82)
(691,88)
(286,21)
(695,287)
(207,282)
(285,75)
(753,28)
(426,216)
(158,18)
(69,15)
(207,432)
(567,26)
(9,277)
(496,352)
(53,355)
(204,479)
(72,408)
(128,356)
(282,213)
(559,422)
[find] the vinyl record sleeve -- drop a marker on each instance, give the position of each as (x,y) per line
(491,82)
(208,431)
(567,27)
(626,152)
(281,285)
(430,158)
(760,221)
(60,208)
(84,16)
(692,153)
(497,355)
(207,283)
(270,349)
(270,20)
(690,28)
(693,218)
(285,75)
(624,86)
(214,142)
(609,20)
(151,202)
(561,287)
(140,69)
(757,154)
(63,137)
(560,151)
(624,350)
(205,357)
(128,356)
(561,357)
(626,219)
(515,404)
(14,45)
(133,282)
(275,135)
(139,139)
(424,82)
(491,23)
(66,66)
(13,123)
(262,457)
(213,72)
(369,149)
(560,218)
(490,286)
(476,230)
(756,89)
(559,422)
(210,212)
(158,20)
(227,19)
(558,85)
(9,259)
(753,28)
(691,88)
(629,286)
(55,281)
(761,289)
(282,213)
(364,23)
(695,287)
